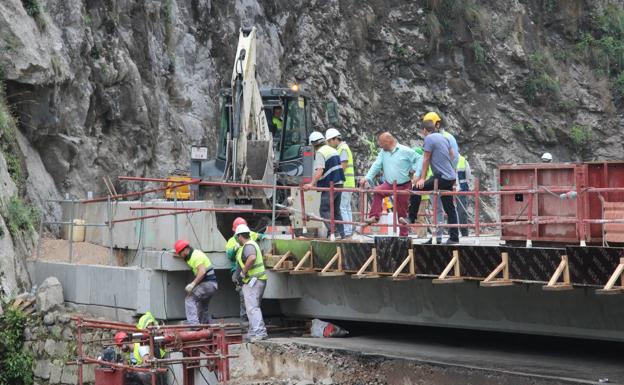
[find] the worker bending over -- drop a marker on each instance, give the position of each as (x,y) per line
(397,162)
(231,247)
(440,155)
(253,280)
(334,139)
(201,289)
(327,169)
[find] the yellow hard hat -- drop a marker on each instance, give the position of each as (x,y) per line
(434,117)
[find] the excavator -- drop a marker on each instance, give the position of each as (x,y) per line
(262,136)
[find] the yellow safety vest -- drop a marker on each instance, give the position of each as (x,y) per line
(232,246)
(349,172)
(257,270)
(429,175)
(278,123)
(146,320)
(199,258)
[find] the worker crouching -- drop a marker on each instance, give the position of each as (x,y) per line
(252,279)
(200,290)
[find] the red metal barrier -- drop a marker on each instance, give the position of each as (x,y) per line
(531,201)
(202,345)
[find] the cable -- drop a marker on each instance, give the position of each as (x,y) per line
(164,288)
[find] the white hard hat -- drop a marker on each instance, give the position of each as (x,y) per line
(331,134)
(315,136)
(547,157)
(240,229)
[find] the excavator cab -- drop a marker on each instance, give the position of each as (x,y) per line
(290,130)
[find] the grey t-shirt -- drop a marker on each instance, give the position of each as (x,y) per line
(247,251)
(440,160)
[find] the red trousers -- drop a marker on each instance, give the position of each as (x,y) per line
(400,206)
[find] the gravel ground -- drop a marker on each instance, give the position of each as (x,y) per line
(57,250)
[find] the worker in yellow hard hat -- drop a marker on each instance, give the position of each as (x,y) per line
(435,118)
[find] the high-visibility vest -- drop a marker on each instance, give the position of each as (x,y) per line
(429,175)
(199,258)
(333,170)
(146,320)
(349,172)
(231,247)
(278,123)
(461,174)
(257,270)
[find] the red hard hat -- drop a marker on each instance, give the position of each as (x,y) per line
(238,221)
(180,245)
(120,337)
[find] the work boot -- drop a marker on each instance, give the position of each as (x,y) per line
(430,241)
(464,232)
(451,241)
(404,221)
(370,220)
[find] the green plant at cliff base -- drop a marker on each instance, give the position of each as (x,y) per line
(21,216)
(15,363)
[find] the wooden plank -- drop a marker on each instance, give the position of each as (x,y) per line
(503,267)
(562,269)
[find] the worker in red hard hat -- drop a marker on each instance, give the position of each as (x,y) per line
(201,289)
(231,247)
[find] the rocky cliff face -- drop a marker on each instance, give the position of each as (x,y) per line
(124,87)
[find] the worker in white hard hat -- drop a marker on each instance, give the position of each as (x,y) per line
(547,157)
(327,169)
(252,279)
(334,139)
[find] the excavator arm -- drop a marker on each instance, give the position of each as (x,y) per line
(250,157)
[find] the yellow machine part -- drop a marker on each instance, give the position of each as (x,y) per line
(181,193)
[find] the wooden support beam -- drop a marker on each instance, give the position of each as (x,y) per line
(336,258)
(299,268)
(564,269)
(278,265)
(453,264)
(397,275)
(617,274)
(362,273)
(503,267)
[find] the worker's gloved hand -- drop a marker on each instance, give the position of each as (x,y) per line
(239,281)
(189,288)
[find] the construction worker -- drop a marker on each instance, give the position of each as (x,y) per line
(439,155)
(141,350)
(397,162)
(253,280)
(327,169)
(277,121)
(547,157)
(334,139)
(417,214)
(201,289)
(437,122)
(464,174)
(231,247)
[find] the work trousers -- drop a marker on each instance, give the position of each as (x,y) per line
(241,299)
(462,213)
(253,299)
(326,212)
(400,206)
(447,204)
(345,212)
(196,303)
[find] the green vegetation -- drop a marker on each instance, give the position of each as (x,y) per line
(540,82)
(35,10)
(479,53)
(602,44)
(581,137)
(372,147)
(451,17)
(15,363)
(21,216)
(8,143)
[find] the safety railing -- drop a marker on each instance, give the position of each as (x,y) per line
(529,219)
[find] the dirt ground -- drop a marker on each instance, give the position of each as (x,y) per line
(57,250)
(279,362)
